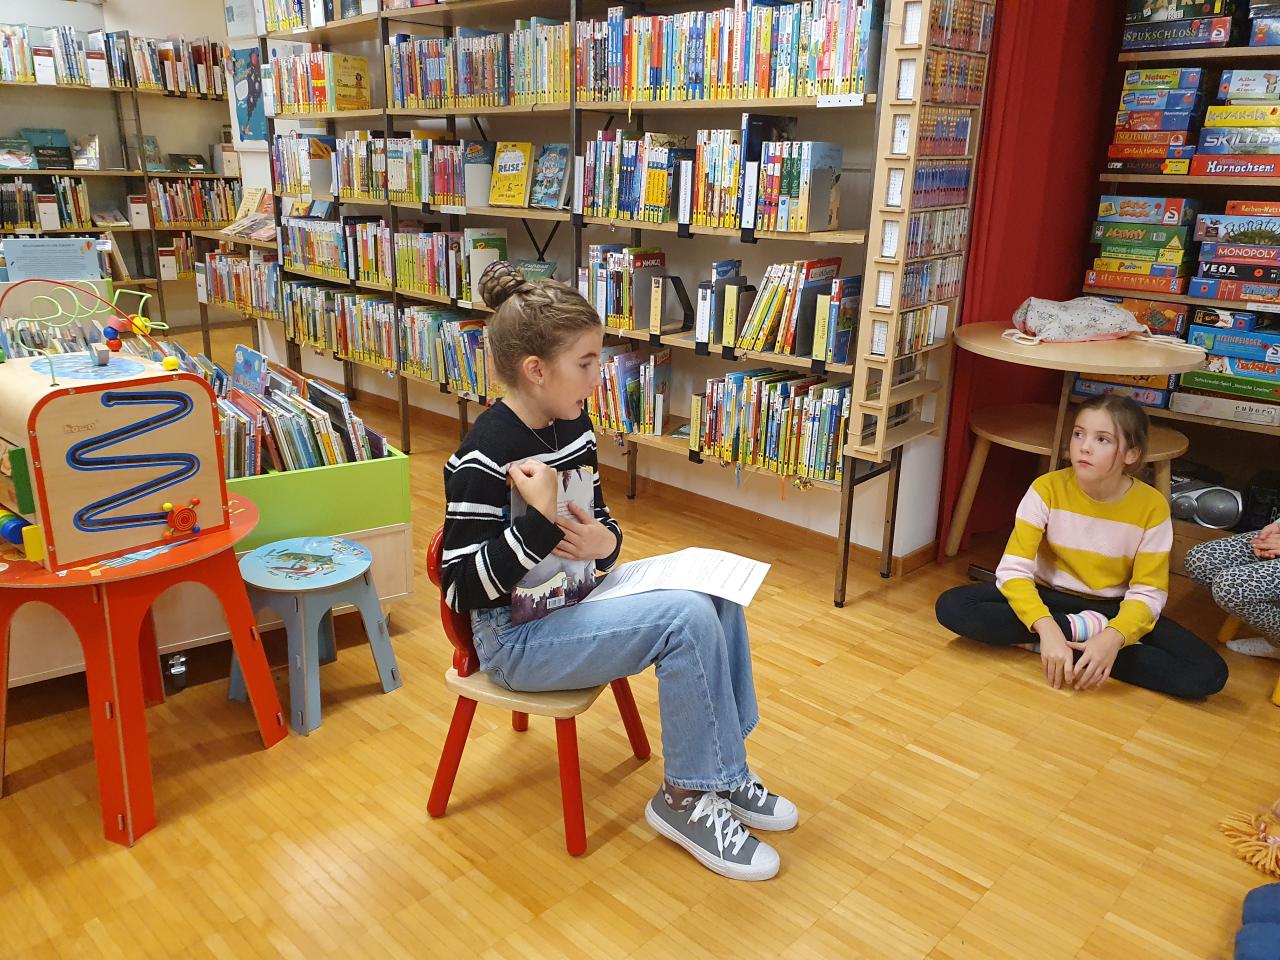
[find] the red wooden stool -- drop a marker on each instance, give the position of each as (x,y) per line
(108,605)
(563,706)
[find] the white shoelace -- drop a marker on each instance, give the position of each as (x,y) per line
(730,833)
(756,792)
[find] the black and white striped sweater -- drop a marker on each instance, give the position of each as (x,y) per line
(485,554)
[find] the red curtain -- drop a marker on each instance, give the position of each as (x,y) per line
(1045,128)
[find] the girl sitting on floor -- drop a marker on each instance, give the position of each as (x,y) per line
(545,342)
(1086,571)
(1243,572)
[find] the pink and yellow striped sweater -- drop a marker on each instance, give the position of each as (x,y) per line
(1066,540)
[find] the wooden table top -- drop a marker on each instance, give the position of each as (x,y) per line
(23,573)
(1125,356)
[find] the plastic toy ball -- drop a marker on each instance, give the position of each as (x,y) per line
(114,344)
(140,324)
(169,363)
(110,333)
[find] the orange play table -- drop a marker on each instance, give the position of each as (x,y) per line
(108,605)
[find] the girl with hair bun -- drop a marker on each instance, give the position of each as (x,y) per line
(545,341)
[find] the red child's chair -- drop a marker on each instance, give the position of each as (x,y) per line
(473,686)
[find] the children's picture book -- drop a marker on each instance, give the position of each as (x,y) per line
(537,269)
(482,246)
(477,171)
(551,177)
(555,583)
(249,372)
(151,155)
(188,163)
(511,179)
(108,216)
(86,154)
(16,154)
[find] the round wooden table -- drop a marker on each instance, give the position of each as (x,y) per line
(108,604)
(1100,358)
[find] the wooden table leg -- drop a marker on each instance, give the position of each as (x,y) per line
(10,601)
(116,714)
(223,576)
(1060,425)
(149,654)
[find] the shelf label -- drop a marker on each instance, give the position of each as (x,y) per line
(841,100)
(901,134)
(893,189)
(911,23)
(889,239)
(906,79)
(452,210)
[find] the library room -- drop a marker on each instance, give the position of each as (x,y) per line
(563,478)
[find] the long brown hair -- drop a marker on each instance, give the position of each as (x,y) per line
(1131,423)
(538,318)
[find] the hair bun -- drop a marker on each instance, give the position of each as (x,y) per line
(499,281)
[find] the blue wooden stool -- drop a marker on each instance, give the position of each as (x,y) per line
(302,580)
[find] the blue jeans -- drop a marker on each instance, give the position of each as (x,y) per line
(698,643)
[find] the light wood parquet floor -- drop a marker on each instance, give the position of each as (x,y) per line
(952,806)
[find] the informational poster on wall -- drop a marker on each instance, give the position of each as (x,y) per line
(250,125)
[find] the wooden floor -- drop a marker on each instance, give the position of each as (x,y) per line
(951,805)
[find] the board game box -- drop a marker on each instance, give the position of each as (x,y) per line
(1252,208)
(1164,78)
(1147,396)
(1215,382)
(1240,271)
(1230,319)
(1188,100)
(1226,408)
(1259,115)
(1148,268)
(1152,120)
(1263,345)
(1132,281)
(1158,316)
(1150,167)
(1249,85)
(1166,138)
(1171,34)
(1249,230)
(1149,151)
(1166,211)
(1210,288)
(1234,166)
(1239,140)
(1154,11)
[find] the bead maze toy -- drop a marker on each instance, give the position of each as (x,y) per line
(103,453)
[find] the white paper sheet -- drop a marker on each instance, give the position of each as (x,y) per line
(716,572)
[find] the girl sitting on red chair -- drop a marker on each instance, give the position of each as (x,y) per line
(545,342)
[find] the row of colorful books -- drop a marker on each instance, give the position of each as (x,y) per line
(320,83)
(478,68)
(278,16)
(802,308)
(246,282)
(210,203)
(812,49)
(634,392)
(65,56)
(428,260)
(59,205)
(779,421)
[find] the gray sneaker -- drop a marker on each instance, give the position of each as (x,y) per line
(707,828)
(759,809)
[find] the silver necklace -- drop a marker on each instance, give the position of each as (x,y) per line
(554,434)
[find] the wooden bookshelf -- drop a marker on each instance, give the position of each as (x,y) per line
(61,231)
(494,110)
(178,227)
(1232,183)
(364,26)
(314,274)
(122,174)
(1218,56)
(448,15)
(372,113)
(223,237)
(1213,421)
(897,394)
(175,175)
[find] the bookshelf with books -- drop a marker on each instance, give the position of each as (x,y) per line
(1204,269)
(645,131)
(110,177)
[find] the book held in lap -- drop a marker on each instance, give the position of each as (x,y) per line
(556,583)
